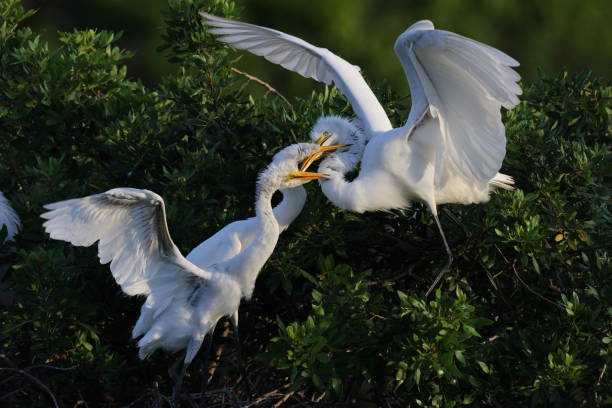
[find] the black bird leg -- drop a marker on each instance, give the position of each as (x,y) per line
(177,376)
(241,362)
(205,376)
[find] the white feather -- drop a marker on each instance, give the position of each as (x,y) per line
(464,84)
(130,225)
(8,218)
(184,297)
(307,60)
(453,143)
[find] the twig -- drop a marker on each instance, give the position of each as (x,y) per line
(273,393)
(522,281)
(601,374)
(11,393)
(8,379)
(533,291)
(35,380)
(263,83)
(284,399)
(51,367)
(502,254)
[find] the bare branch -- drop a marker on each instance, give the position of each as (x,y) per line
(34,380)
(533,291)
(263,83)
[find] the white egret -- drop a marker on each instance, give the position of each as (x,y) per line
(238,235)
(8,218)
(450,149)
(184,300)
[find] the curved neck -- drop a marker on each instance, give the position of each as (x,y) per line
(246,265)
(344,194)
(290,207)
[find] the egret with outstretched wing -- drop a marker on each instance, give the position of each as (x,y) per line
(184,300)
(450,149)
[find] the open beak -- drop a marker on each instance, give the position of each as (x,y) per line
(316,155)
(305,175)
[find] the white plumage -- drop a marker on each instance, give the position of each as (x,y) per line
(8,218)
(235,237)
(185,297)
(450,149)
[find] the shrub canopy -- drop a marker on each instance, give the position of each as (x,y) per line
(338,314)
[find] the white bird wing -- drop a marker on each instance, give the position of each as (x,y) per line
(307,60)
(223,245)
(133,235)
(463,83)
(8,218)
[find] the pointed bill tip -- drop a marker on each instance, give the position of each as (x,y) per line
(306,175)
(332,147)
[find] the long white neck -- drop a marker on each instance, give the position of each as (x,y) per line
(344,194)
(246,266)
(290,207)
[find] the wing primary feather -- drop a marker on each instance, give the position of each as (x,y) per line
(307,60)
(464,84)
(133,235)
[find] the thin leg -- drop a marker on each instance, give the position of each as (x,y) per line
(206,362)
(448,252)
(241,363)
(237,340)
(173,370)
(178,375)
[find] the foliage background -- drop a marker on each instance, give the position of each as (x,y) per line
(548,34)
(339,315)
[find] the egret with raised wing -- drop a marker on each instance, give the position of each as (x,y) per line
(184,297)
(452,146)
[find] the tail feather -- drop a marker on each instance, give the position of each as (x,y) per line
(502,181)
(182,321)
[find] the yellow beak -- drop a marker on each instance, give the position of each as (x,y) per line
(305,175)
(316,155)
(323,138)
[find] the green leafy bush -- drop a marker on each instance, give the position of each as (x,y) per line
(339,314)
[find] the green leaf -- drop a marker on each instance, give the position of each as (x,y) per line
(484,367)
(336,384)
(459,356)
(470,330)
(417,376)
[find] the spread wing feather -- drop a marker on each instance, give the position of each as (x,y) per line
(131,228)
(307,60)
(463,84)
(8,218)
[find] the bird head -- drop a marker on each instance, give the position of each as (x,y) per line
(331,131)
(283,172)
